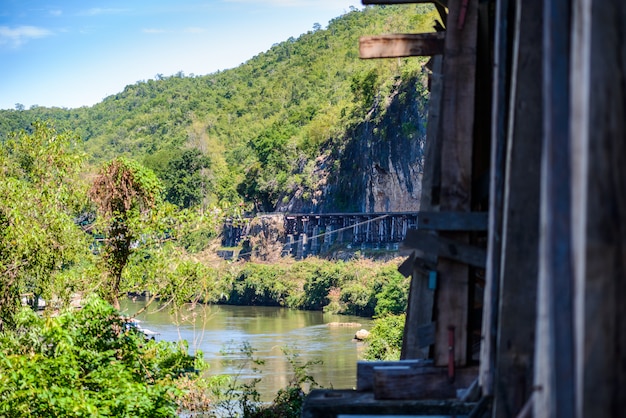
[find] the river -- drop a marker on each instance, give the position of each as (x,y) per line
(215,328)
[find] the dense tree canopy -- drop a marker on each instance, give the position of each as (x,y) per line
(184,175)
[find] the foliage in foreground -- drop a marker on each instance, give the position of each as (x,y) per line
(241,398)
(385,339)
(91,363)
(40,196)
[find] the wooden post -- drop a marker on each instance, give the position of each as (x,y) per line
(459,72)
(520,224)
(554,362)
(496,196)
(421,297)
(599,196)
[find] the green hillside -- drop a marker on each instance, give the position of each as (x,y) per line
(252,133)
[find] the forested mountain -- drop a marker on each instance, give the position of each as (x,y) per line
(304,126)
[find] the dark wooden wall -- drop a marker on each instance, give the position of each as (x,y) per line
(553,335)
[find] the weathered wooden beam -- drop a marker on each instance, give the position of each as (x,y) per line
(431,178)
(421,295)
(415,264)
(404,383)
(438,246)
(410,379)
(365,370)
(401,45)
(406,268)
(517,307)
(599,201)
(458,105)
(452,221)
(426,335)
(554,362)
(444,3)
(500,112)
(441,8)
(324,403)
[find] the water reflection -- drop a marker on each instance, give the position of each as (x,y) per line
(267,330)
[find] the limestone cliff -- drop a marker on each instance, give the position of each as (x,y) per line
(378,165)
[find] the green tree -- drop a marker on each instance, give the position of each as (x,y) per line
(184,176)
(125,194)
(40,194)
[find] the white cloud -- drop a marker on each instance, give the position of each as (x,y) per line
(96,11)
(21,34)
(56,12)
(194,30)
(153,30)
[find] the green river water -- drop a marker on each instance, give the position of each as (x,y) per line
(267,329)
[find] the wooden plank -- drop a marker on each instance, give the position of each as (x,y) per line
(500,104)
(406,268)
(401,45)
(368,2)
(452,221)
(421,297)
(437,246)
(459,73)
(498,136)
(365,370)
(520,224)
(426,335)
(325,403)
(554,363)
(403,383)
(431,178)
(419,312)
(599,196)
(496,192)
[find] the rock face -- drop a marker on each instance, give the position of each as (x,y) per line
(379,167)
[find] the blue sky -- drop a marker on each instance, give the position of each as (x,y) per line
(72,53)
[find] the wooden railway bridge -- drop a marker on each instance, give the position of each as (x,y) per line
(312,234)
(531,95)
(324,229)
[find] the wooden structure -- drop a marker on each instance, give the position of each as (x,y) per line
(312,234)
(528,96)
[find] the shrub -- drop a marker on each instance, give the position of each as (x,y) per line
(393,296)
(260,284)
(359,299)
(89,363)
(318,284)
(385,339)
(355,287)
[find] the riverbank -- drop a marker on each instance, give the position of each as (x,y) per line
(360,287)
